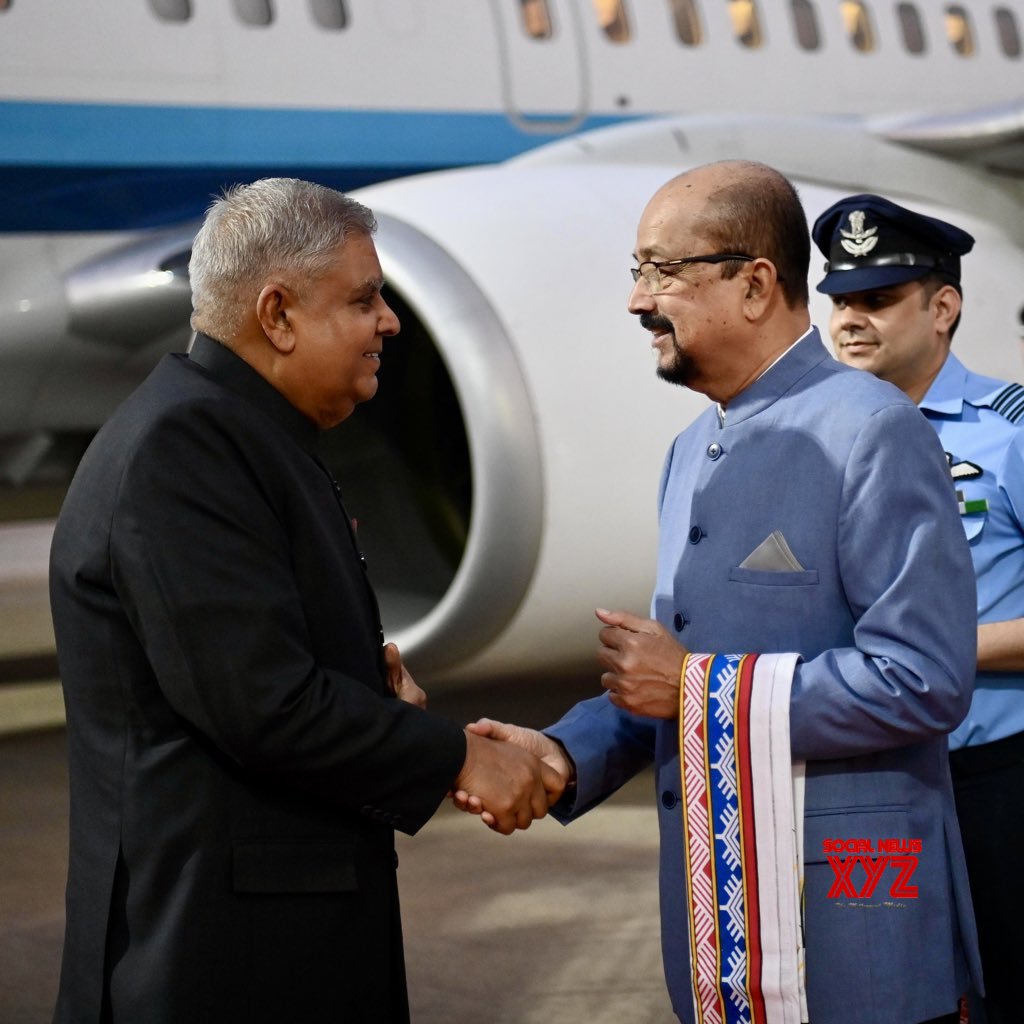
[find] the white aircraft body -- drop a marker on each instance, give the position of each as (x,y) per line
(504,477)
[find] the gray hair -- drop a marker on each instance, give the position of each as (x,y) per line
(280,226)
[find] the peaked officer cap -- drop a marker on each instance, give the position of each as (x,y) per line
(870,242)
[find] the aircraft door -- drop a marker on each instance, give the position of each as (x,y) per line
(543,66)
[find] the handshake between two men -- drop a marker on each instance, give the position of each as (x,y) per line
(513,774)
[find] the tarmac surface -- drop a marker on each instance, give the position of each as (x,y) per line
(551,924)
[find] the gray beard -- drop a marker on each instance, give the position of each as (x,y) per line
(681,369)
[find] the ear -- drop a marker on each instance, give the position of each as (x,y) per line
(272,309)
(762,281)
(946,304)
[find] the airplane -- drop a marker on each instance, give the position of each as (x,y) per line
(504,477)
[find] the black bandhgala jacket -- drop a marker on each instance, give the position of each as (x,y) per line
(237,766)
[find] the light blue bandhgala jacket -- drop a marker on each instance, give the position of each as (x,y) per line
(883,616)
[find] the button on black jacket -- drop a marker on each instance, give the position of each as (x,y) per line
(237,765)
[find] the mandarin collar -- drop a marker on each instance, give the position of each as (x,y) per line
(234,373)
(797,361)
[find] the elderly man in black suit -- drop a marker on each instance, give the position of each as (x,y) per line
(242,742)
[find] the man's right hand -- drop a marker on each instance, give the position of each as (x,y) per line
(511,785)
(552,755)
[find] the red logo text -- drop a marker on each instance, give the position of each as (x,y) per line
(860,872)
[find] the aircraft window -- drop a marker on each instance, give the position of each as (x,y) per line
(536,18)
(805,21)
(857,23)
(611,16)
(171,10)
(1009,34)
(958,30)
(687,19)
(329,13)
(910,25)
(746,25)
(254,12)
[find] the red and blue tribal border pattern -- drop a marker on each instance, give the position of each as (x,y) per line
(719,838)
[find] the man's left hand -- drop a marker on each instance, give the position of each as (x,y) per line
(643,662)
(402,684)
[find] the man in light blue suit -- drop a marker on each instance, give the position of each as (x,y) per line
(790,521)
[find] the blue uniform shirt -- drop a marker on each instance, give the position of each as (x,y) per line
(978,422)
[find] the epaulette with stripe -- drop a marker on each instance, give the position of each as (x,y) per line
(1010,402)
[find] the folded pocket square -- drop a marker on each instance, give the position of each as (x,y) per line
(772,555)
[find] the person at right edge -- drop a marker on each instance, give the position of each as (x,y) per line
(894,279)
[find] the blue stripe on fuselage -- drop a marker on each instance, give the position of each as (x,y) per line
(89,167)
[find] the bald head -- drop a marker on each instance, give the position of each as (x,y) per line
(745,207)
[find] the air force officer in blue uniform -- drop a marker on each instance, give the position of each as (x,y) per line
(878,601)
(893,275)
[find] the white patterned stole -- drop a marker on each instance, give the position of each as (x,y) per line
(743,839)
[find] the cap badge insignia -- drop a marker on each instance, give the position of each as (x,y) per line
(858,241)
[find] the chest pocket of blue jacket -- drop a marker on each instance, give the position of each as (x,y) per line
(761,578)
(777,601)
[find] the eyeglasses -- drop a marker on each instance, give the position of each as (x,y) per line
(650,270)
